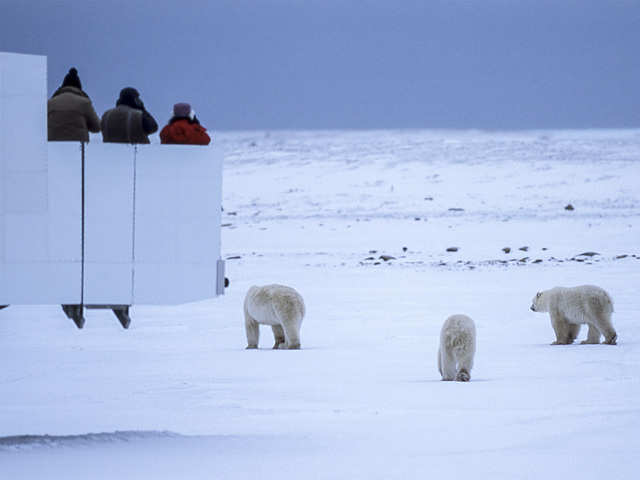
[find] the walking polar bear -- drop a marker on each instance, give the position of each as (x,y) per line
(276,305)
(571,307)
(457,348)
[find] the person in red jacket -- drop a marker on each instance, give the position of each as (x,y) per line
(184,128)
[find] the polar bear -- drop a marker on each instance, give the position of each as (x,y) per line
(457,348)
(571,307)
(276,305)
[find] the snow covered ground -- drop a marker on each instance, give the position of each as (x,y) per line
(177,396)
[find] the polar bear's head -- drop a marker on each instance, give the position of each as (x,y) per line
(539,304)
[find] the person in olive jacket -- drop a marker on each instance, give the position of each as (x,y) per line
(129,122)
(70,114)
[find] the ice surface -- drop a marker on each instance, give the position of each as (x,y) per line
(363,398)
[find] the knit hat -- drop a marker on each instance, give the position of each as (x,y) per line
(128,96)
(182,110)
(129,93)
(71,79)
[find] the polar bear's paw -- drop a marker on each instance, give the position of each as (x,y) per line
(463,376)
(611,340)
(587,342)
(251,347)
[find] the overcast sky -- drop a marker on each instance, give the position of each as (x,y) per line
(270,64)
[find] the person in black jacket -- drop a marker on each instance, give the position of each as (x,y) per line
(129,122)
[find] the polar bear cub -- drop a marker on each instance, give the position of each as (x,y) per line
(571,307)
(276,305)
(457,348)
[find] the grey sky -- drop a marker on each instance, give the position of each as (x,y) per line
(347,64)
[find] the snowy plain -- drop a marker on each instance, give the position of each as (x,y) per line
(177,396)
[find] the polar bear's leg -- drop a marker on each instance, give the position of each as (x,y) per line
(289,311)
(278,334)
(603,322)
(572,331)
(291,327)
(252,329)
(610,338)
(561,327)
(556,323)
(447,364)
(464,368)
(593,337)
(465,364)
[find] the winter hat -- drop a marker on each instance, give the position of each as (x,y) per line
(128,97)
(182,110)
(71,79)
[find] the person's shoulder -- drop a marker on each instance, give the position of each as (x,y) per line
(107,112)
(64,96)
(85,100)
(118,108)
(178,123)
(200,128)
(202,131)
